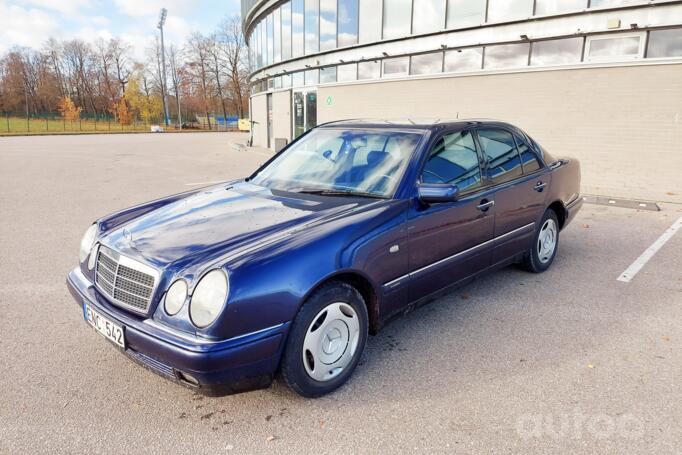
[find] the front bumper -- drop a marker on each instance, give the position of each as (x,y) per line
(222,367)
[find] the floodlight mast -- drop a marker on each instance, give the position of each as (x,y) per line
(162,21)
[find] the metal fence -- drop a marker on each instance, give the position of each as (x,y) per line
(13,123)
(18,123)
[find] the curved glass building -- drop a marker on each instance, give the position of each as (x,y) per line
(594,78)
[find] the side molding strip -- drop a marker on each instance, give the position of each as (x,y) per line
(396,281)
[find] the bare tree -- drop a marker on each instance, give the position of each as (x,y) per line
(199,69)
(216,67)
(174,63)
(235,55)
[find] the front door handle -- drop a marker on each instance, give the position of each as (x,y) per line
(540,186)
(485,205)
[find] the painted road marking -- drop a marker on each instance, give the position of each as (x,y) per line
(204,183)
(641,261)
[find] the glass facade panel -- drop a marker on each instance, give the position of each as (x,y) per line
(369,70)
(327,75)
(277,27)
(469,59)
(312,77)
(397,15)
(557,51)
(395,67)
(312,26)
(263,43)
(427,63)
(286,31)
(298,79)
(665,43)
(429,16)
(270,39)
(348,22)
(286,81)
(613,48)
(506,56)
(327,24)
(611,3)
(465,13)
(297,34)
(509,10)
(347,73)
(370,20)
(543,7)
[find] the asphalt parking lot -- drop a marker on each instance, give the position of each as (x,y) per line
(571,360)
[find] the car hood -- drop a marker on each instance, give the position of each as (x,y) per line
(217,220)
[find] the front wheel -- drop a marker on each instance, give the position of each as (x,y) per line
(326,340)
(544,248)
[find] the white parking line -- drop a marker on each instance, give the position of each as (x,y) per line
(636,266)
(204,183)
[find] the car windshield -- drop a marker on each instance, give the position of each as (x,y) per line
(342,162)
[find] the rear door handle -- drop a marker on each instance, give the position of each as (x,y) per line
(485,205)
(540,186)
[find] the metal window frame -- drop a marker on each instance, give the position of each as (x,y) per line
(417,54)
(589,39)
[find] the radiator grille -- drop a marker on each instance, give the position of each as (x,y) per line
(126,282)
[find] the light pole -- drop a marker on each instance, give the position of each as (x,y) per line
(162,20)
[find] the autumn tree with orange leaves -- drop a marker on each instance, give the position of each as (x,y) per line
(68,110)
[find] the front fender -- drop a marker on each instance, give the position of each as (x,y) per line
(268,286)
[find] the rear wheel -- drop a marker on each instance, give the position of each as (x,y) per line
(545,244)
(326,340)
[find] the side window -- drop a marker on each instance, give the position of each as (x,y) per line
(500,151)
(454,160)
(529,160)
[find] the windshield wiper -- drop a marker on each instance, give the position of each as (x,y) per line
(340,192)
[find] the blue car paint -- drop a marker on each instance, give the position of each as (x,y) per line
(277,247)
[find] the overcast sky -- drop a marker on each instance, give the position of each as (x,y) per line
(31,22)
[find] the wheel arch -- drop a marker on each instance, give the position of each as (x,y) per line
(363,285)
(560,210)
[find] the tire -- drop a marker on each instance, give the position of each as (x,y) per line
(326,340)
(545,244)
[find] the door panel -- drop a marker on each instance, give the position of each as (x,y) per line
(517,208)
(519,197)
(450,241)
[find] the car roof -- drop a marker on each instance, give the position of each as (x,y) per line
(414,123)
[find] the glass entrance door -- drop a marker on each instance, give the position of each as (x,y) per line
(305,111)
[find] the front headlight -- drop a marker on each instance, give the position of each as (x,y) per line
(87,242)
(208,298)
(175,297)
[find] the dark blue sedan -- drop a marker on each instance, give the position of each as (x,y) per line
(287,271)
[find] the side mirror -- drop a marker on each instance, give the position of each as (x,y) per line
(433,193)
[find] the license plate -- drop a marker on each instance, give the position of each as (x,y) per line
(104,326)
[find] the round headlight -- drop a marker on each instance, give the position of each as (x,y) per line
(208,298)
(87,242)
(175,297)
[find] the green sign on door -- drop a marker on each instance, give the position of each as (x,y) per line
(330,100)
